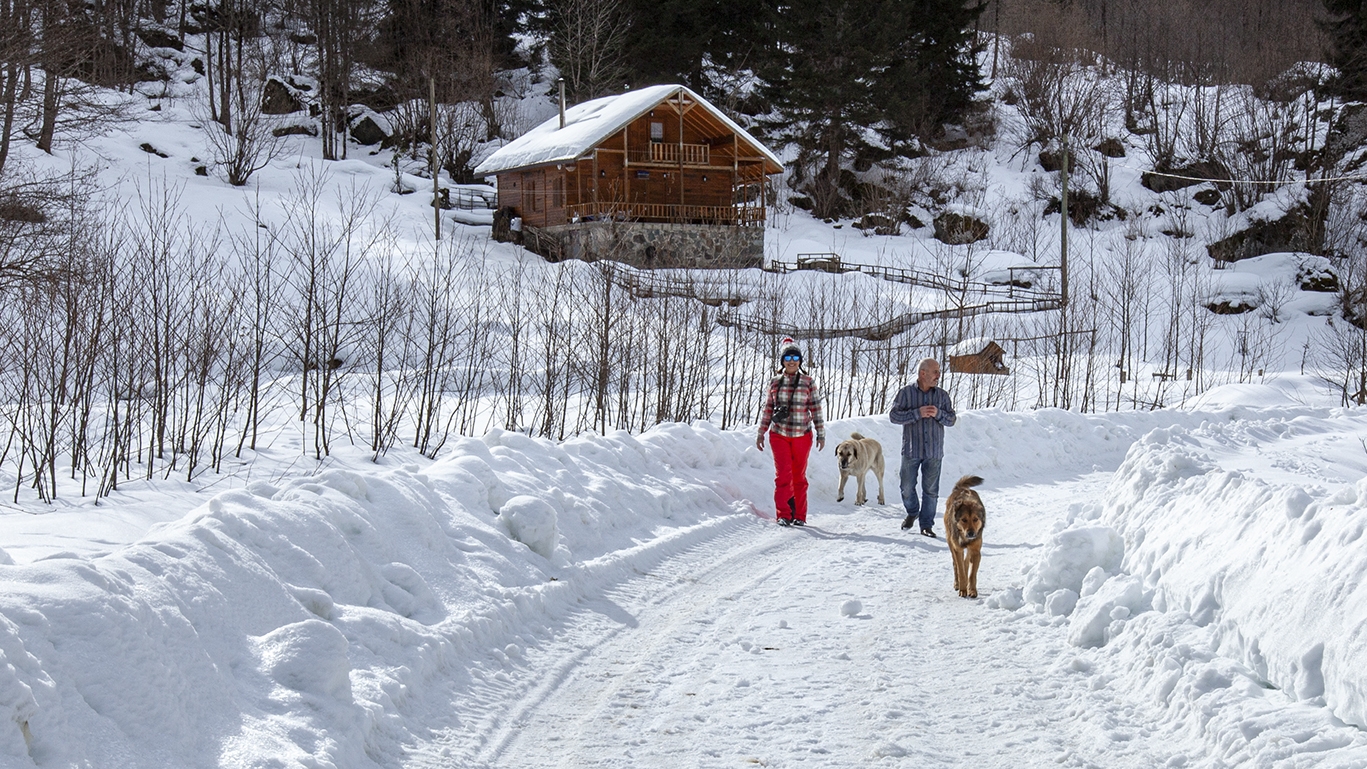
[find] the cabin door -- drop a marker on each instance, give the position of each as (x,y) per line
(671,190)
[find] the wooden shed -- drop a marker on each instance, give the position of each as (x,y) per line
(987,360)
(659,154)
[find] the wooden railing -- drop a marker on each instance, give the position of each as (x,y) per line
(1016,290)
(666,212)
(662,152)
(470,199)
(704,286)
(878,332)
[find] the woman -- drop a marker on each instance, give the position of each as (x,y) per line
(791,410)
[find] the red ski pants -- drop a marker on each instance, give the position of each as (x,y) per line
(790,474)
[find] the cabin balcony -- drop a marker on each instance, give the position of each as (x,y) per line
(671,154)
(667,213)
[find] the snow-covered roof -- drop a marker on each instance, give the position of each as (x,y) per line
(589,123)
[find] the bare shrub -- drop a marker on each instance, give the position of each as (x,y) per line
(244,143)
(1262,144)
(1272,298)
(36,219)
(1061,97)
(460,129)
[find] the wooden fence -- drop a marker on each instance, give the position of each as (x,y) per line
(666,212)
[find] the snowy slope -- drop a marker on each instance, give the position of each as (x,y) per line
(354,619)
(1171,587)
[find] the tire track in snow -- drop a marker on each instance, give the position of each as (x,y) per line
(656,573)
(733,652)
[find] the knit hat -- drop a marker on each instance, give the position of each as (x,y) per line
(788,347)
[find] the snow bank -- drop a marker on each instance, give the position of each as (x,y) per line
(298,624)
(326,621)
(1273,564)
(1244,533)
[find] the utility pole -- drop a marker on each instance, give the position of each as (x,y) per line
(432,136)
(1063,254)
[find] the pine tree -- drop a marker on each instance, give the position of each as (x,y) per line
(934,71)
(821,80)
(842,71)
(1347,31)
(671,41)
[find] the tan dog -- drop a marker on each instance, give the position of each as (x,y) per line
(965,518)
(857,456)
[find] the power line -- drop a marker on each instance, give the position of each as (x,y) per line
(1286,183)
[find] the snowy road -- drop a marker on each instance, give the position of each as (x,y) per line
(1177,590)
(735,652)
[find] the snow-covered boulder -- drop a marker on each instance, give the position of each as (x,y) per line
(959,228)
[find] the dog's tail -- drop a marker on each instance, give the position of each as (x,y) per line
(968,482)
(856,436)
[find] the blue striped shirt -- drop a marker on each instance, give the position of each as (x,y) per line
(922,438)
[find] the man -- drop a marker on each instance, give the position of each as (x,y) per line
(924,411)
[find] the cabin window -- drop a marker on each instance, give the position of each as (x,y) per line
(558,193)
(534,199)
(657,131)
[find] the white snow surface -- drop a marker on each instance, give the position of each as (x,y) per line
(1175,588)
(1171,588)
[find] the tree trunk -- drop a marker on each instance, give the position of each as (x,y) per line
(51,101)
(11,100)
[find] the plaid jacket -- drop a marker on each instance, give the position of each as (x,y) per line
(801,391)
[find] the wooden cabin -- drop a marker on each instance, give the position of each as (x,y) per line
(661,155)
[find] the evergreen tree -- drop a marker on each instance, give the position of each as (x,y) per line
(934,70)
(841,69)
(1346,28)
(673,41)
(821,79)
(512,19)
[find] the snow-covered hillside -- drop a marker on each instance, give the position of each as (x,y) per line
(1175,581)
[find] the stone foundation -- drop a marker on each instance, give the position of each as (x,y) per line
(647,245)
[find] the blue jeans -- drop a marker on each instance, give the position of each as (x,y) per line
(930,489)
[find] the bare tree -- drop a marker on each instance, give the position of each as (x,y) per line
(242,144)
(337,27)
(258,285)
(16,53)
(1263,143)
(37,216)
(1060,97)
(328,242)
(388,346)
(587,39)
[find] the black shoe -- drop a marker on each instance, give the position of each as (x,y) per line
(799,522)
(785,522)
(908,523)
(928,533)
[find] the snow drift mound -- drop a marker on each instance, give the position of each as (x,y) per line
(314,622)
(1218,528)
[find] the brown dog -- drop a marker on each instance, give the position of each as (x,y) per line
(857,456)
(965,518)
